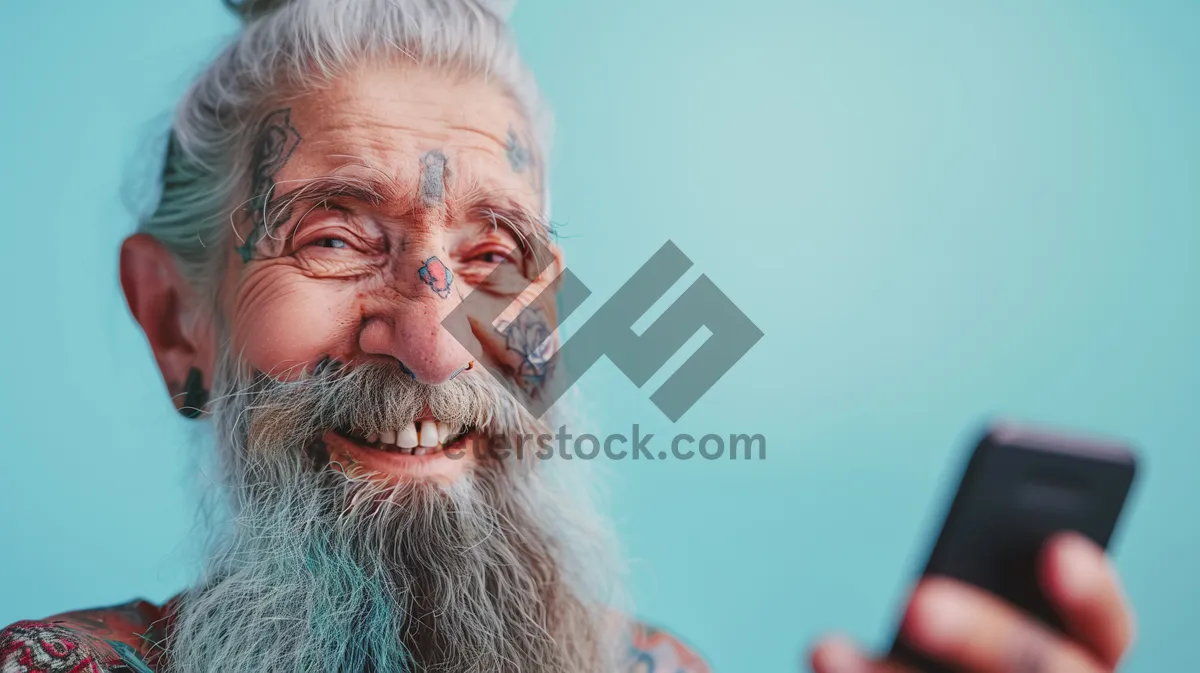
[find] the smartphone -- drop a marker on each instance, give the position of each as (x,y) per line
(1021,486)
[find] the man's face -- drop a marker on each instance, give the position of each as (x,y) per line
(373,207)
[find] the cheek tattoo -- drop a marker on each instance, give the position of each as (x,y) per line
(433,178)
(529,337)
(276,142)
(437,276)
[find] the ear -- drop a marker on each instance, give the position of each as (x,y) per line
(177,327)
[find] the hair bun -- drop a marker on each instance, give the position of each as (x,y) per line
(249,10)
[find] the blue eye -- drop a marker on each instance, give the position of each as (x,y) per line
(330,243)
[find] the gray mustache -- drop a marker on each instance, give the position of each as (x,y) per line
(375,397)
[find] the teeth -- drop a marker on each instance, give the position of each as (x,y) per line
(406,437)
(417,439)
(429,434)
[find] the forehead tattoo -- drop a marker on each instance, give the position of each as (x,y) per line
(433,178)
(518,156)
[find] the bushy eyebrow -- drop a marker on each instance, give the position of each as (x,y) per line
(532,230)
(314,191)
(372,191)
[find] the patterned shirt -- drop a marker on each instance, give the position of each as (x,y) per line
(130,638)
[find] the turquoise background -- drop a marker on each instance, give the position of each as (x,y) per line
(937,212)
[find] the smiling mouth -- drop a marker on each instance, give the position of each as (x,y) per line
(420,438)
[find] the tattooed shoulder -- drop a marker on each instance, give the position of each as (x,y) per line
(95,641)
(653,650)
(120,622)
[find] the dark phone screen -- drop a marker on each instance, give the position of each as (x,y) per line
(1019,488)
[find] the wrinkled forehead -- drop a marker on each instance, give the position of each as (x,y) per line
(399,122)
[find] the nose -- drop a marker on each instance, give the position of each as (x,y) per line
(408,325)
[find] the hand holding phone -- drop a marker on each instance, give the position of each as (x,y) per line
(1003,589)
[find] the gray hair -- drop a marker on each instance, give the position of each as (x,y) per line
(289,46)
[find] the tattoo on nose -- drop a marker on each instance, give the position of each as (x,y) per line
(433,178)
(437,276)
(518,156)
(405,369)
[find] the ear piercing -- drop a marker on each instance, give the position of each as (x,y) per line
(194,394)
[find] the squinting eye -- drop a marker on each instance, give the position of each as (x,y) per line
(494,257)
(330,243)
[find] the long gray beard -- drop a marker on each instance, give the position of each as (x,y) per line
(506,569)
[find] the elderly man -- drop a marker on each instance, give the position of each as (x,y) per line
(335,186)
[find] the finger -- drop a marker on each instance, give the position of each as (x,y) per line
(1083,587)
(967,628)
(837,654)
